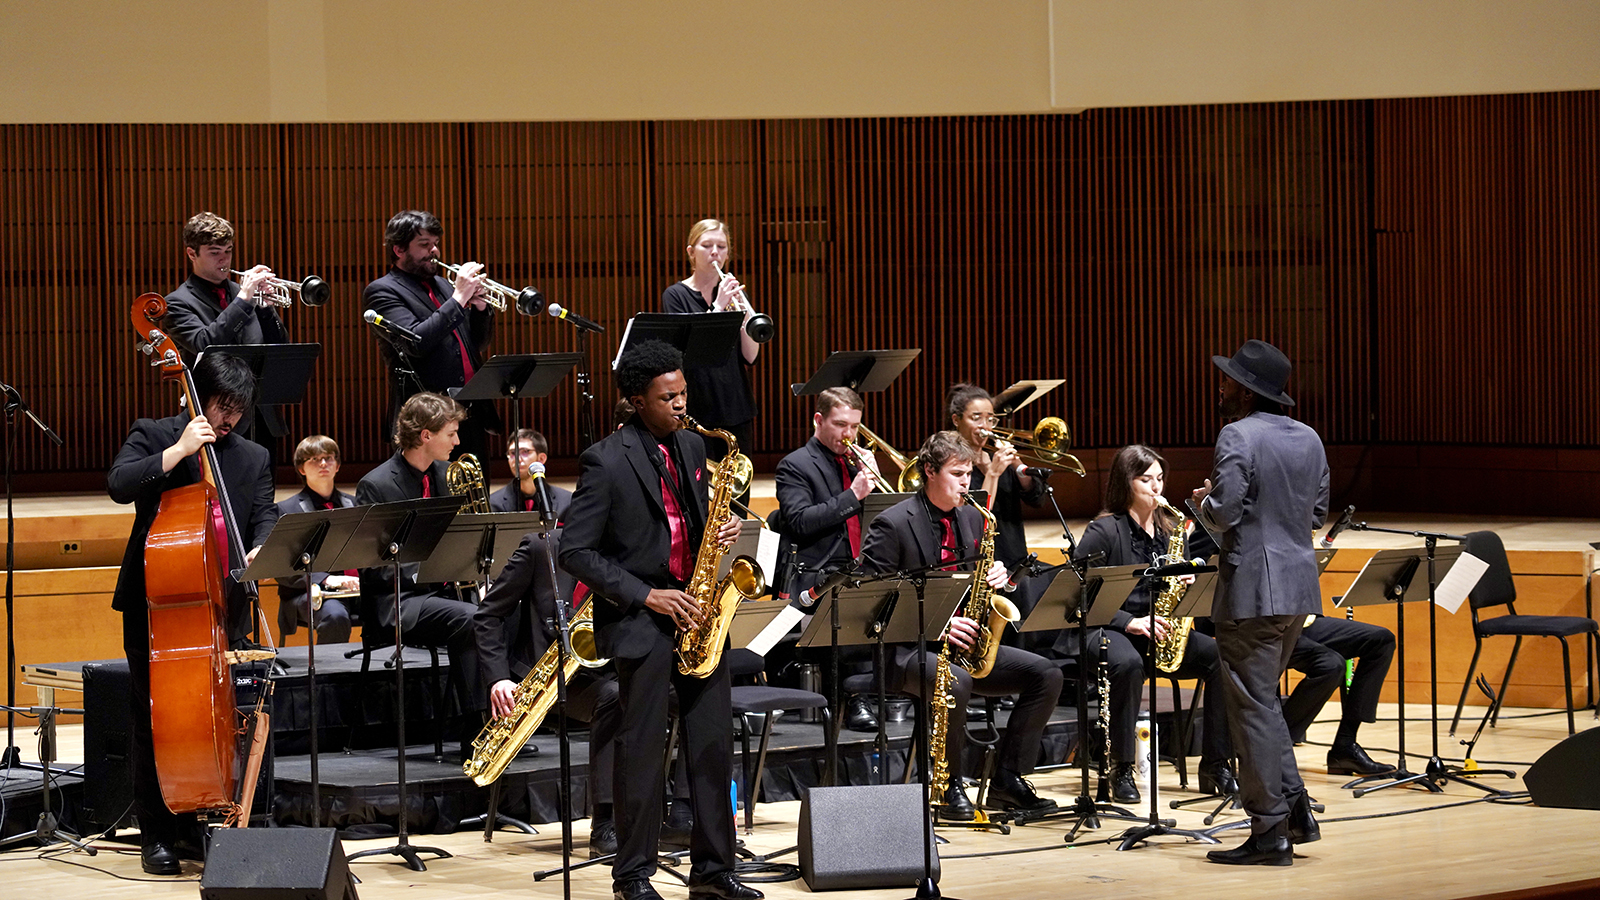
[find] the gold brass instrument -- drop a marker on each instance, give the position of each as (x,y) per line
(500,740)
(313,291)
(942,701)
(759,326)
(699,648)
(464,477)
(910,474)
(1170,649)
(527,301)
(985,606)
(1047,444)
(864,459)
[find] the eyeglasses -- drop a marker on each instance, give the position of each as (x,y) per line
(523,452)
(323,460)
(983,419)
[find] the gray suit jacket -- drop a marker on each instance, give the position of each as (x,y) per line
(1269,492)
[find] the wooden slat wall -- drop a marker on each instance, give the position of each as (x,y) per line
(1118,249)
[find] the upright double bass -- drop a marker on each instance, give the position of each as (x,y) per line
(193,713)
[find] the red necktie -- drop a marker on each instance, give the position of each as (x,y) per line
(947,545)
(427,489)
(222,297)
(678,561)
(852,524)
(466,358)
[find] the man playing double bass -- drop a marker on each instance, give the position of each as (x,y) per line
(160,455)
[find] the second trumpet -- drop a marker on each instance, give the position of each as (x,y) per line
(313,291)
(527,301)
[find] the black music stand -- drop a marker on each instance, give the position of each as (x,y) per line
(863,371)
(293,548)
(281,370)
(396,534)
(1022,393)
(476,546)
(1059,607)
(705,340)
(516,376)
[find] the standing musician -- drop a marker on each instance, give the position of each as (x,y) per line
(210,308)
(522,494)
(1320,654)
(452,322)
(430,614)
(1131,531)
(820,489)
(317,460)
(631,535)
(158,456)
(719,396)
(932,528)
(1267,492)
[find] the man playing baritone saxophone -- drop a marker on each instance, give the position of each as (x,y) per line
(932,528)
(632,532)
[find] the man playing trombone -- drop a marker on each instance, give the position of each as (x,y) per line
(434,331)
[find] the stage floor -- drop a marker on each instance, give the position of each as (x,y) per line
(1398,842)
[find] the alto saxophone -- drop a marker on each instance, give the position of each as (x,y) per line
(501,739)
(700,647)
(984,606)
(1170,649)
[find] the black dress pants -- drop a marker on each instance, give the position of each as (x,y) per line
(1035,680)
(1319,654)
(1126,659)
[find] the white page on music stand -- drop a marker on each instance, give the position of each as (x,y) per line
(780,625)
(767,551)
(1459,581)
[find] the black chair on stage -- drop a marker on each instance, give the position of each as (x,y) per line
(1496,588)
(764,700)
(375,638)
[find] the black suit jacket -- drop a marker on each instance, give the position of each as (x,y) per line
(511,499)
(292,588)
(394,480)
(815,511)
(195,319)
(616,538)
(136,477)
(436,359)
(904,536)
(516,621)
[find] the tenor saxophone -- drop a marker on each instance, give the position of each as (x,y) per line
(501,739)
(700,646)
(1170,649)
(984,606)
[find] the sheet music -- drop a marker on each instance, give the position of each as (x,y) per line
(622,345)
(1459,582)
(775,630)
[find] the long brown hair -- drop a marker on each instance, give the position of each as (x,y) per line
(1129,463)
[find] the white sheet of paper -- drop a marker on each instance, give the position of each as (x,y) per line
(776,629)
(767,553)
(1459,582)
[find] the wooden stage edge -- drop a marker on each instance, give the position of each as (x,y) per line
(1392,843)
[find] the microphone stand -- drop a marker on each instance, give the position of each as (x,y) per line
(11,755)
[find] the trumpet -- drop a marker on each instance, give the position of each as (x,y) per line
(910,474)
(527,301)
(760,326)
(864,459)
(313,291)
(1046,444)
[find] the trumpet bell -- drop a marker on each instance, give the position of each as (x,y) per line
(530,302)
(314,291)
(760,328)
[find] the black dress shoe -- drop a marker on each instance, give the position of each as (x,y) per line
(1270,848)
(858,715)
(637,889)
(724,885)
(1302,825)
(956,807)
(1008,790)
(1217,778)
(1352,760)
(602,838)
(677,827)
(158,858)
(1124,787)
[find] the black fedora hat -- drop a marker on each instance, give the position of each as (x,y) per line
(1260,367)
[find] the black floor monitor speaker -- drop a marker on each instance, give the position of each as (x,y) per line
(1568,774)
(107,744)
(276,864)
(864,836)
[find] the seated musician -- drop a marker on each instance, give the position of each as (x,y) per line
(430,614)
(158,456)
(632,534)
(934,527)
(820,489)
(521,495)
(1132,531)
(1320,654)
(317,460)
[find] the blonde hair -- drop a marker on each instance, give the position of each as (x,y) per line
(704,225)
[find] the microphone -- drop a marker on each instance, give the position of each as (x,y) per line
(556,309)
(1039,472)
(393,329)
(810,596)
(536,469)
(1023,568)
(1342,524)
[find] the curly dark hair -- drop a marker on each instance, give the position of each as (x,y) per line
(404,227)
(643,363)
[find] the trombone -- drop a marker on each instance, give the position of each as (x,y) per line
(910,474)
(1047,444)
(313,291)
(527,301)
(864,459)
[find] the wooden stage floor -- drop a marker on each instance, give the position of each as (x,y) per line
(1395,843)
